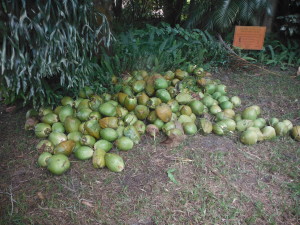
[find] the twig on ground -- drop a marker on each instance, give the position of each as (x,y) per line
(215,172)
(10,194)
(250,154)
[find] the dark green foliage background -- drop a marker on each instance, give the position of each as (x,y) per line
(47,48)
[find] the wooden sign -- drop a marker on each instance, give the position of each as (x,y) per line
(249,37)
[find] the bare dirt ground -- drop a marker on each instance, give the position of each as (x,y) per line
(205,180)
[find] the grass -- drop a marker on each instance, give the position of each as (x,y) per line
(218,180)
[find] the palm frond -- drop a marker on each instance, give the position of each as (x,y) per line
(225,14)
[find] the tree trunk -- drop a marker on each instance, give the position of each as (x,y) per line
(172,11)
(268,20)
(117,8)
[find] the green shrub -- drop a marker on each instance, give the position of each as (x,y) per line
(163,48)
(47,46)
(274,53)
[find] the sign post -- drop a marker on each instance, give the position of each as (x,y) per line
(249,37)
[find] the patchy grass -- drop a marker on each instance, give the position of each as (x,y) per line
(214,180)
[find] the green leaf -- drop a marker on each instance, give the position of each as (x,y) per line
(171,176)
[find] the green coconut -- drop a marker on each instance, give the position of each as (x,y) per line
(130,119)
(273,121)
(164,112)
(249,137)
(159,123)
(77,102)
(197,107)
(256,108)
(249,114)
(229,113)
(75,136)
(174,132)
(95,102)
(57,137)
(110,121)
(120,131)
(152,117)
(174,105)
(82,128)
(231,124)
(45,146)
(124,143)
(42,130)
(58,164)
(140,127)
(50,118)
(185,110)
(95,116)
(67,100)
(210,88)
(259,122)
(226,105)
(220,128)
(236,101)
(83,114)
(71,124)
(132,133)
(108,134)
(260,136)
(43,159)
(103,144)
(138,86)
(44,111)
(121,112)
(65,147)
(141,112)
(93,128)
(172,91)
(242,125)
(214,109)
(295,132)
(84,104)
(190,128)
(84,153)
(130,103)
(208,101)
(221,88)
(65,111)
(107,109)
(106,97)
(223,98)
(160,83)
(221,116)
(205,126)
(153,102)
(268,133)
(142,98)
(168,126)
(288,124)
(185,119)
(216,95)
(88,140)
(184,98)
(169,75)
(99,158)
(58,127)
(281,129)
(114,162)
(181,74)
(163,95)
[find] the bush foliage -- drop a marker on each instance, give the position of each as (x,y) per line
(47,46)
